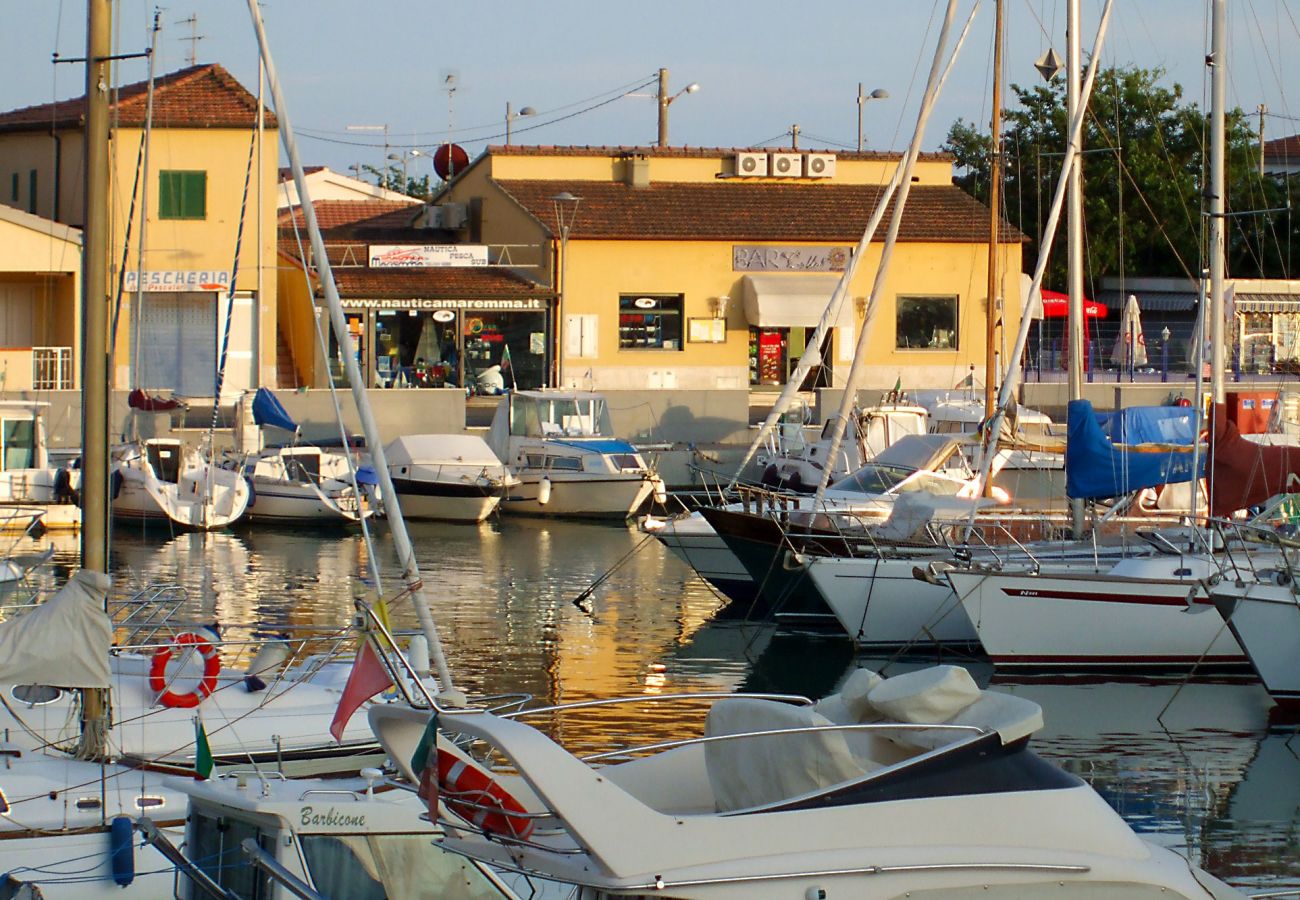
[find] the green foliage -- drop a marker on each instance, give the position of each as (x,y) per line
(391,178)
(1146,158)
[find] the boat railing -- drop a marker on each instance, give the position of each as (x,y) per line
(147,613)
(1248,534)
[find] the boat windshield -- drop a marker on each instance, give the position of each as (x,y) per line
(365,866)
(555,416)
(873,478)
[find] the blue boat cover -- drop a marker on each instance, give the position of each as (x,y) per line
(599,445)
(1149,425)
(1095,468)
(366,475)
(268,411)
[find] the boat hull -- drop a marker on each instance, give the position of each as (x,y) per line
(1263,620)
(600,496)
(444,502)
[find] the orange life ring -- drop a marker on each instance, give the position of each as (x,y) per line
(207,684)
(475,790)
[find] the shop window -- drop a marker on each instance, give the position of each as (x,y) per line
(926,323)
(650,322)
(182,195)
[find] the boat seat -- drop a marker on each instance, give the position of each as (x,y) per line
(753,771)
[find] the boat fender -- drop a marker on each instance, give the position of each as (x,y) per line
(1281,577)
(121,850)
(207,684)
(771,477)
(544,491)
(269,656)
(115,484)
(471,793)
(252,492)
(661,490)
(417,654)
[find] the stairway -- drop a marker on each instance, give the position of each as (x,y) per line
(285,374)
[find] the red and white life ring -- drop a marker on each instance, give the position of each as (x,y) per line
(478,796)
(207,684)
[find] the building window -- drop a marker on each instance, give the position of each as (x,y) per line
(31,192)
(650,321)
(182,195)
(926,323)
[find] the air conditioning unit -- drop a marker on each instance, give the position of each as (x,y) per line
(787,165)
(750,164)
(819,165)
(453,216)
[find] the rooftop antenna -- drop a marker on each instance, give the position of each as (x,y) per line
(194,38)
(450,79)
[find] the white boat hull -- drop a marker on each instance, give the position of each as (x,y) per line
(289,502)
(596,496)
(1265,619)
(1089,621)
(445,508)
(881,605)
(691,539)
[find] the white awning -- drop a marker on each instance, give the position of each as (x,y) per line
(792,301)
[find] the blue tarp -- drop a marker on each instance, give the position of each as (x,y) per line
(1095,468)
(599,445)
(1149,425)
(268,411)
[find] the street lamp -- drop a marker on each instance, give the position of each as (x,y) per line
(403,157)
(511,116)
(664,99)
(566,211)
(1164,353)
(877,94)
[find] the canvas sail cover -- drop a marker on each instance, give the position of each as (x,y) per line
(1244,473)
(267,410)
(63,642)
(1097,467)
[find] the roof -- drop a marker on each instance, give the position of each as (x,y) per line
(1283,148)
(731,211)
(286,173)
(204,96)
(691,152)
(1174,300)
(345,218)
(56,230)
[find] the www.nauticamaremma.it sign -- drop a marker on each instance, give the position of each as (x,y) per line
(428,256)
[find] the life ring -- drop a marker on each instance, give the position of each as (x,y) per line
(472,794)
(207,684)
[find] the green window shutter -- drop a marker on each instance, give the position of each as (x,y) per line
(31,192)
(182,195)
(14,185)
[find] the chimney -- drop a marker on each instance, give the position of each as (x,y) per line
(636,171)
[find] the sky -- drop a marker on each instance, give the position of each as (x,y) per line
(589,69)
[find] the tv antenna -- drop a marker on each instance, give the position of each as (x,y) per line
(450,81)
(194,38)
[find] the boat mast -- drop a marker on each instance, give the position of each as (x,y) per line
(95,341)
(995,216)
(1218,189)
(397,525)
(1074,228)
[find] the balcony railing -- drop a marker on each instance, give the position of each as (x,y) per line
(52,368)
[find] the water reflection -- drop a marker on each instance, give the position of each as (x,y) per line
(1193,765)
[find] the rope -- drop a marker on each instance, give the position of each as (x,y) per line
(230,299)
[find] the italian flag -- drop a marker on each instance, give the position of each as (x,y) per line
(202,752)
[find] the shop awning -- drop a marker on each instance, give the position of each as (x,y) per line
(1057,305)
(1268,303)
(791,301)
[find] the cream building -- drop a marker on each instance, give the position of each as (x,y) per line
(696,268)
(205,147)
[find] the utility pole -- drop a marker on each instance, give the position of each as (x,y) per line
(661,100)
(95,340)
(794,137)
(1263,110)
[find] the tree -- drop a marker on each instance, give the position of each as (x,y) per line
(1145,162)
(391,179)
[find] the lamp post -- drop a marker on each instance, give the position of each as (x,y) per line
(1164,353)
(663,99)
(566,212)
(511,115)
(877,94)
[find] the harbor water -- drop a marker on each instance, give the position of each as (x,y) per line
(1199,766)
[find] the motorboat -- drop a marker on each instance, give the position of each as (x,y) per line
(339,837)
(31,486)
(917,785)
(298,483)
(560,446)
(449,477)
(167,480)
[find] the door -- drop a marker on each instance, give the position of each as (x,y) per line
(175,344)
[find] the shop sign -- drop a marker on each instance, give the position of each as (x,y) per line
(531,303)
(750,258)
(428,256)
(176,281)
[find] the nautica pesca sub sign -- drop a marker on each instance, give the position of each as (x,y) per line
(427,256)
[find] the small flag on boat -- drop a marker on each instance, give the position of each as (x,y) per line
(505,356)
(425,762)
(368,677)
(202,752)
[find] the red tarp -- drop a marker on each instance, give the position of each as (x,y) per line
(138,399)
(1244,473)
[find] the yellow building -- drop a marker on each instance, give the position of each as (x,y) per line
(707,268)
(204,147)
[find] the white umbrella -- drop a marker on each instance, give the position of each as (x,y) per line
(1130,340)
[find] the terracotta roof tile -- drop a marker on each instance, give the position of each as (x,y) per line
(731,211)
(1283,148)
(205,96)
(343,218)
(690,152)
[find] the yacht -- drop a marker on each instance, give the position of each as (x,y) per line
(449,477)
(560,446)
(166,480)
(306,484)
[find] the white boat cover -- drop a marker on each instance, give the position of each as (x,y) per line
(63,642)
(426,449)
